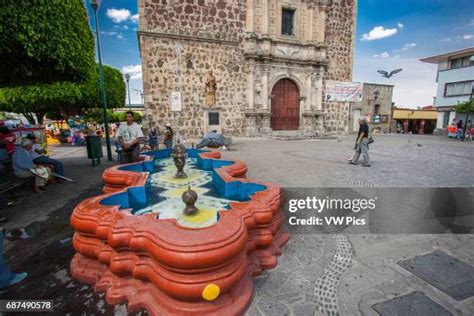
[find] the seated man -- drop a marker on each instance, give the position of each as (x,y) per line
(40,158)
(24,167)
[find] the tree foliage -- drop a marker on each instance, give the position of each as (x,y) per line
(44,41)
(47,62)
(96,116)
(114,89)
(136,117)
(463,106)
(67,98)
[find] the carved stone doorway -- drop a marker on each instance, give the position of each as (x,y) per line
(285,106)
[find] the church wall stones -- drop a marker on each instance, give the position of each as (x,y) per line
(241,42)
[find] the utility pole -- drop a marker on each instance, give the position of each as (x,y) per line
(127,77)
(95,6)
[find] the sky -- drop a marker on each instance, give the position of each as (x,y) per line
(390,34)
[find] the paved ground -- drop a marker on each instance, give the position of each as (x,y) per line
(39,237)
(347,275)
(36,207)
(397,161)
(322,274)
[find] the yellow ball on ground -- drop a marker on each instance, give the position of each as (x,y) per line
(211,292)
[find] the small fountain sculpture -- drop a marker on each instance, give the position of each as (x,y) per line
(189,198)
(179,157)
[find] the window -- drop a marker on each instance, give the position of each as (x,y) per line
(377,109)
(458,88)
(287,21)
(213,118)
(461,62)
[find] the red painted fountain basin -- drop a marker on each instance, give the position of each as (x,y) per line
(163,267)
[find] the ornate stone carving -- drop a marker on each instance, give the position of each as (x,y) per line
(287,51)
(179,157)
(211,88)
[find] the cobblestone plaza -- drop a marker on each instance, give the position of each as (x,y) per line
(347,275)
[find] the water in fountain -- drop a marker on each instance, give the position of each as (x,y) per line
(165,192)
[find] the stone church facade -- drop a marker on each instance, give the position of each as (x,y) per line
(270,60)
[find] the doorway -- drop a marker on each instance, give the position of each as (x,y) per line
(285,106)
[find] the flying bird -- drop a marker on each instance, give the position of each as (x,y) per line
(388,75)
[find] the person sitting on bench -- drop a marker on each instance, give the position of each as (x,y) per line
(23,166)
(9,138)
(40,158)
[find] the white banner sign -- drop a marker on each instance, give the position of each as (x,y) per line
(338,91)
(175,101)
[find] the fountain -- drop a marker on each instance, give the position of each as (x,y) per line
(189,198)
(179,157)
(137,244)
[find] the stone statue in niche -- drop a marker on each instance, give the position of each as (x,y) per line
(211,88)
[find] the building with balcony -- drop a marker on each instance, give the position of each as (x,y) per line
(246,67)
(455,78)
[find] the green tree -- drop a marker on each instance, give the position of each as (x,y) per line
(114,89)
(38,99)
(136,116)
(47,60)
(44,41)
(96,116)
(67,98)
(463,106)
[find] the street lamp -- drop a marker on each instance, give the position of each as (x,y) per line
(127,78)
(95,6)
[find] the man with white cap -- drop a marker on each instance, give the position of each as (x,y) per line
(23,165)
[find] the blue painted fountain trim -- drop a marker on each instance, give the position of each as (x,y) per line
(136,197)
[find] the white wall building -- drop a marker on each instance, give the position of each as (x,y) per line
(455,78)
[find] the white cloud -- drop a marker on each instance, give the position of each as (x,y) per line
(406,47)
(397,56)
(468,36)
(378,32)
(118,15)
(414,86)
(400,25)
(446,39)
(471,23)
(117,34)
(134,18)
(109,33)
(135,71)
(383,55)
